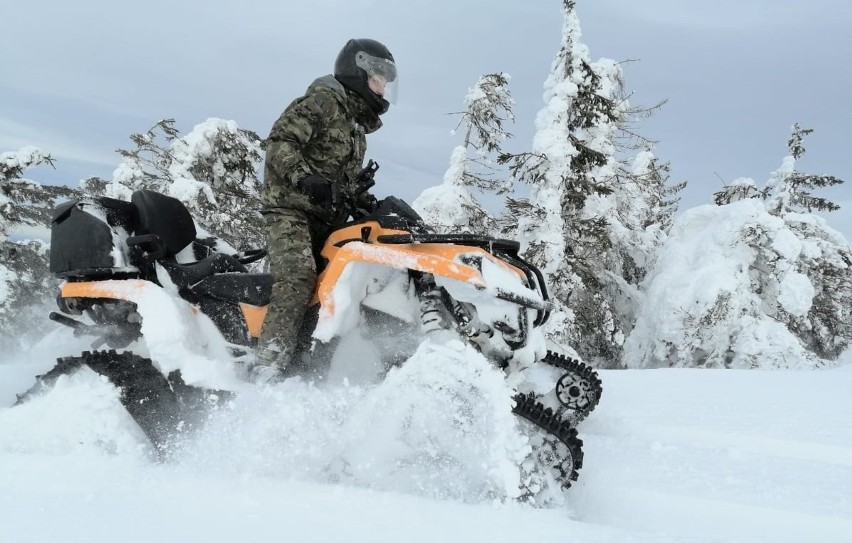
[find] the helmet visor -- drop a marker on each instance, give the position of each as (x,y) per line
(381,75)
(386,89)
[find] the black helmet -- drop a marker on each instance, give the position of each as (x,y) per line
(367,68)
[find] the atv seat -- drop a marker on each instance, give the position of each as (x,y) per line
(165,217)
(186,275)
(248,288)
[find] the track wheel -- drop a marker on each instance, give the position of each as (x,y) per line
(579,388)
(557,454)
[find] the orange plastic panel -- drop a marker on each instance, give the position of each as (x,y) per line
(254,316)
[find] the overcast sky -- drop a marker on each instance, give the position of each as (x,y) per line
(77,78)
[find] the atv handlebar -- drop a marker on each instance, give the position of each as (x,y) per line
(364,180)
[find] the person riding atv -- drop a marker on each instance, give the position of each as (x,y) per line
(139,280)
(316,149)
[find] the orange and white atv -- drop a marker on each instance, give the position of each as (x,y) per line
(139,280)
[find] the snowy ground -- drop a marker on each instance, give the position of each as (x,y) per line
(670,455)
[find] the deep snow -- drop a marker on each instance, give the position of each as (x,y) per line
(670,455)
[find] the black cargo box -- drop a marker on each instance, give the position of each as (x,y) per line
(83,237)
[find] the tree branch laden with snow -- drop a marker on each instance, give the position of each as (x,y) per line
(26,208)
(214,170)
(452,207)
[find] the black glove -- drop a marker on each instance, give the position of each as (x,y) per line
(317,187)
(369,203)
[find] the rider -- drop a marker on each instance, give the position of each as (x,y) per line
(315,150)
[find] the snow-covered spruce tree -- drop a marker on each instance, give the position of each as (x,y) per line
(25,208)
(452,207)
(757,281)
(638,211)
(213,170)
(788,191)
(823,259)
(645,201)
(588,211)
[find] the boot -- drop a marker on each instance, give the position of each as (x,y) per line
(269,364)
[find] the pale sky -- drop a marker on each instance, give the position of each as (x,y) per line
(79,77)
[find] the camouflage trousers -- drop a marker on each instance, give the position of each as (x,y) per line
(293,238)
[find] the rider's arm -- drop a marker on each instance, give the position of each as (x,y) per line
(292,133)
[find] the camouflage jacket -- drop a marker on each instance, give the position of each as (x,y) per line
(321,133)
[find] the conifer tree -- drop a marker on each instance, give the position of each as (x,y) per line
(640,212)
(756,281)
(25,280)
(452,207)
(214,170)
(825,258)
(789,190)
(25,203)
(565,225)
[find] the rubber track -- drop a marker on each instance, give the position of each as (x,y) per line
(145,392)
(582,370)
(529,409)
(64,366)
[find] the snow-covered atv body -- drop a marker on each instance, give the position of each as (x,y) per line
(138,269)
